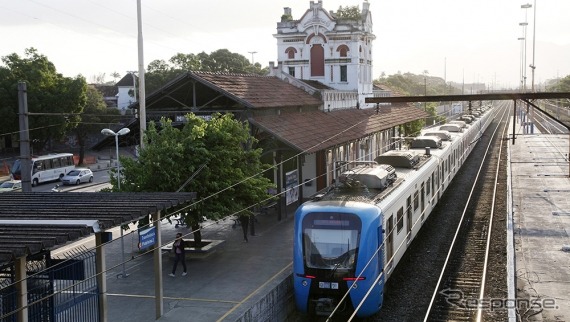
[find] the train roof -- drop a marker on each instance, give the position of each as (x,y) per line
(422,142)
(451,128)
(442,134)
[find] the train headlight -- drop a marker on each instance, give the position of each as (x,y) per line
(354,286)
(304,283)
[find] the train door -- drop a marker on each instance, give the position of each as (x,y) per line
(390,240)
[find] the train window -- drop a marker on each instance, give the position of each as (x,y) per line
(389,239)
(423,198)
(416,200)
(428,187)
(400,218)
(409,205)
(331,240)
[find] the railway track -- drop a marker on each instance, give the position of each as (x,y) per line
(460,293)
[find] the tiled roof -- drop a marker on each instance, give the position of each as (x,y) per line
(227,91)
(259,91)
(126,81)
(313,131)
(315,84)
(107,90)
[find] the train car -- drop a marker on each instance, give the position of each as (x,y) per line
(349,238)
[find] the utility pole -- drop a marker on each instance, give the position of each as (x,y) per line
(142,95)
(25,159)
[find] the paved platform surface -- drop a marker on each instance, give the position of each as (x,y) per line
(220,285)
(541,212)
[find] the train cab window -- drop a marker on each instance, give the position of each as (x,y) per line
(400,218)
(330,240)
(416,200)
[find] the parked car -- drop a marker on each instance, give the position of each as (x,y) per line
(77,176)
(11,185)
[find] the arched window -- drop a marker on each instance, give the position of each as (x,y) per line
(290,51)
(343,50)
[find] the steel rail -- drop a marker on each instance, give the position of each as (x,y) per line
(506,113)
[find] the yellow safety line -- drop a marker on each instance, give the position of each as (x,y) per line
(174,298)
(256,290)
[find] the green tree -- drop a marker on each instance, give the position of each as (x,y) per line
(231,181)
(159,72)
(418,85)
(92,119)
(348,13)
(560,85)
(47,92)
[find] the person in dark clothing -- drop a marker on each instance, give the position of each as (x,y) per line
(179,250)
(244,222)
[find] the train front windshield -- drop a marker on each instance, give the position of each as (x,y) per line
(331,240)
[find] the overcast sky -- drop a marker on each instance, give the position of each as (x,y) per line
(461,40)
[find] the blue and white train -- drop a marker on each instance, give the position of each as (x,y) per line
(352,236)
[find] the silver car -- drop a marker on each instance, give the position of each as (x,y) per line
(77,176)
(11,185)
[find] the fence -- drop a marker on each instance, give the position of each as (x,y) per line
(58,289)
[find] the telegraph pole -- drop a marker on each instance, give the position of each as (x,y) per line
(25,159)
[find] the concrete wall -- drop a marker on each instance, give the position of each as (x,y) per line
(275,306)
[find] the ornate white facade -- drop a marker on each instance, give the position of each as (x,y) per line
(334,51)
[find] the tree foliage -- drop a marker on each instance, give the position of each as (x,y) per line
(47,92)
(561,85)
(159,72)
(231,181)
(418,85)
(348,13)
(92,119)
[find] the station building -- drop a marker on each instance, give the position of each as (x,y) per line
(309,113)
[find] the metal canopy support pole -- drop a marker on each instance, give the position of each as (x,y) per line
(157,254)
(514,119)
(101,274)
(22,287)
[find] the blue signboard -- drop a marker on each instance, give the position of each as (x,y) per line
(147,237)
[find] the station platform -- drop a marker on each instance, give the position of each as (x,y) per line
(223,284)
(540,227)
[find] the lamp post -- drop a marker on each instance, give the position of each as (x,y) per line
(252,53)
(110,132)
(524,24)
(533,66)
(521,69)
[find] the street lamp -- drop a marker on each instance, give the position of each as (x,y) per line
(110,132)
(521,69)
(524,24)
(252,53)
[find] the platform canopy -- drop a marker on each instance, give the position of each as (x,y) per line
(34,222)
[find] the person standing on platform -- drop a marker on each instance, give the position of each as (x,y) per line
(244,222)
(179,249)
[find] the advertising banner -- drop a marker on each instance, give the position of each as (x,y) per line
(291,187)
